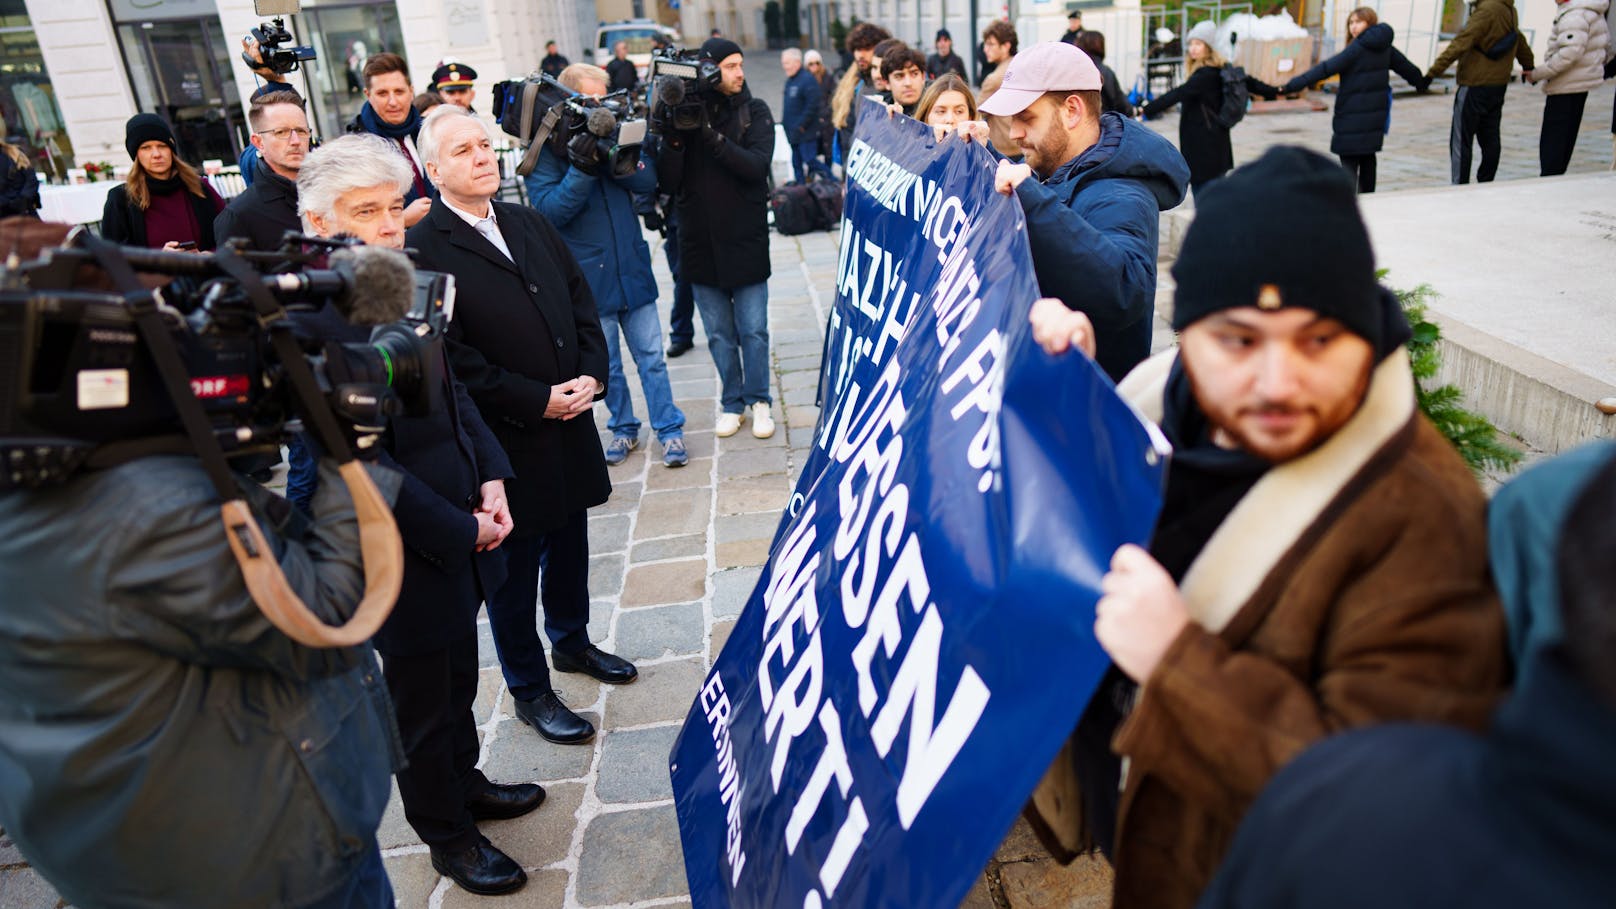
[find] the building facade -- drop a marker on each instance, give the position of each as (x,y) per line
(73,71)
(105,60)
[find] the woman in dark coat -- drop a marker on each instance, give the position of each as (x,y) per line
(1112,97)
(1202,140)
(163,203)
(1363,105)
(19,185)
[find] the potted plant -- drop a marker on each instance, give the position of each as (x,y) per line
(95,171)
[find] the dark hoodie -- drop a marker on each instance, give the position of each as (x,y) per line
(1417,816)
(719,177)
(1363,105)
(1092,227)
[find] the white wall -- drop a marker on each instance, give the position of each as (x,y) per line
(86,71)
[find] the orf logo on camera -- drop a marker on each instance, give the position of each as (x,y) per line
(209,388)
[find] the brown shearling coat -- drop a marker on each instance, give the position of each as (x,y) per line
(1349,587)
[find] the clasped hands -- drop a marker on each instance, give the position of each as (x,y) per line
(493,514)
(571,398)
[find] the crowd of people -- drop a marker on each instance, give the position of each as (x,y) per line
(1322,567)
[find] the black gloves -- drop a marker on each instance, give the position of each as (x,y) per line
(584,153)
(653,220)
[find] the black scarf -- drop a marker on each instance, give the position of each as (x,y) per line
(1204,481)
(164,187)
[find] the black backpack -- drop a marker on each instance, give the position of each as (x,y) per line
(1235,96)
(795,210)
(827,195)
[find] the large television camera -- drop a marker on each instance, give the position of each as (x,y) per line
(539,110)
(680,81)
(81,382)
(272,35)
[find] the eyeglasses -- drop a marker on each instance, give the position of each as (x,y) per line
(286,132)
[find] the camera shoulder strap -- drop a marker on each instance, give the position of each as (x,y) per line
(142,305)
(272,316)
(381,549)
(531,159)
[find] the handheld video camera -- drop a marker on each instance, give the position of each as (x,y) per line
(539,110)
(680,81)
(272,34)
(78,387)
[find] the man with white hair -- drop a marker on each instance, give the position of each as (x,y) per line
(452,516)
(527,342)
(582,196)
(799,114)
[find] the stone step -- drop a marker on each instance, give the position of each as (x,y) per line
(1523,272)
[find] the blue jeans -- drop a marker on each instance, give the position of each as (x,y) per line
(805,158)
(682,321)
(642,329)
(737,321)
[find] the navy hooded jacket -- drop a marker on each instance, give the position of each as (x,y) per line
(1093,226)
(1406,816)
(594,213)
(1363,105)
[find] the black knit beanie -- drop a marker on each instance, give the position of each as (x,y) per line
(143,128)
(1283,231)
(718,49)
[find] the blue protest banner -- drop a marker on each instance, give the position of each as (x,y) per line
(921,641)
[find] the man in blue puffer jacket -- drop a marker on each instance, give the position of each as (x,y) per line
(594,212)
(1093,209)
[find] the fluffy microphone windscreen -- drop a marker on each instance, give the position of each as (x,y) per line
(601,122)
(381,284)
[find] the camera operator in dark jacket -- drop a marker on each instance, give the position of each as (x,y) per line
(719,176)
(161,742)
(453,515)
(267,209)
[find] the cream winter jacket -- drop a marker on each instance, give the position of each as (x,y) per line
(1578,49)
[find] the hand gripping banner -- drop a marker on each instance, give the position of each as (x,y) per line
(921,641)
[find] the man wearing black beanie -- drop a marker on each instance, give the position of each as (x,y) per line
(1320,561)
(718,174)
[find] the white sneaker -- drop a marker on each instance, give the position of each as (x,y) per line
(762,422)
(728,424)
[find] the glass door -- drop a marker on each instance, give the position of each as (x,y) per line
(343,38)
(181,71)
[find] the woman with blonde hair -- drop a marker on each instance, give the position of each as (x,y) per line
(1363,103)
(1203,141)
(857,80)
(163,203)
(19,185)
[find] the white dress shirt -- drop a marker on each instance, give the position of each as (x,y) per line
(487,226)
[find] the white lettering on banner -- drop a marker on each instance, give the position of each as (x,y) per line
(875,555)
(715,705)
(985,394)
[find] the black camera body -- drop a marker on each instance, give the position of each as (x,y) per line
(279,59)
(523,107)
(78,385)
(681,81)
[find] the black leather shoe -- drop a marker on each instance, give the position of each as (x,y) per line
(678,348)
(596,663)
(505,800)
(480,869)
(554,721)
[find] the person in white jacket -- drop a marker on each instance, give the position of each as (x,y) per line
(1579,48)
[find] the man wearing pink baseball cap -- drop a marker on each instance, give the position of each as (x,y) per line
(1092,211)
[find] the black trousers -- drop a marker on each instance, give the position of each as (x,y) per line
(1362,169)
(433,694)
(1562,117)
(562,558)
(1477,113)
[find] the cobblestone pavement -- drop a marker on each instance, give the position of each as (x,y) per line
(675,555)
(1416,150)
